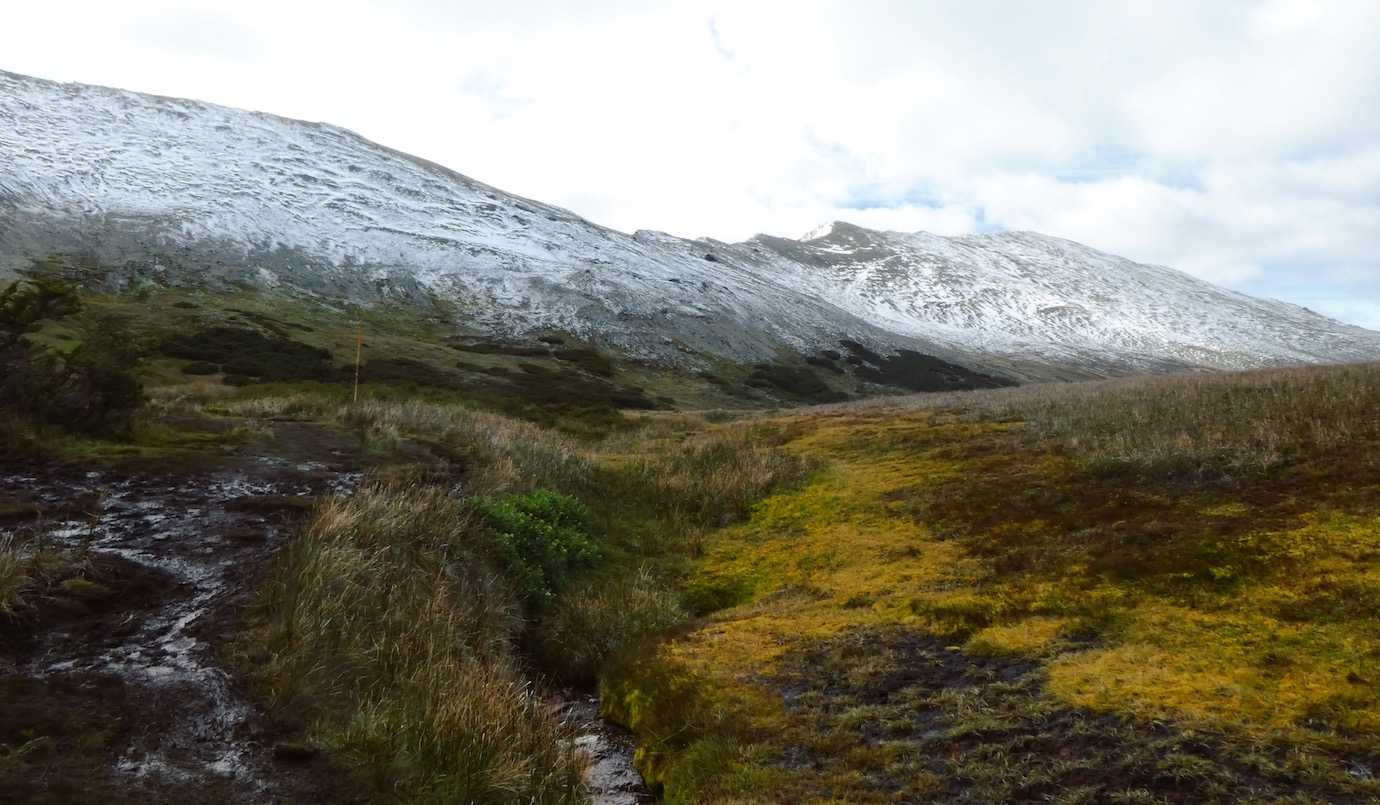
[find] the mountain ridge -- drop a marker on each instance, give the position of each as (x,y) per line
(181,191)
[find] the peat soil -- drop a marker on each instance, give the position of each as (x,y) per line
(113,687)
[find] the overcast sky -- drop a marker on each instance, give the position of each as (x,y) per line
(1236,140)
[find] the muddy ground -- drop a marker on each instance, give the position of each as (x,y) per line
(111,685)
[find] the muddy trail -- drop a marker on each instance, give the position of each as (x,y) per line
(113,690)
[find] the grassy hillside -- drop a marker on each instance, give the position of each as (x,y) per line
(1139,590)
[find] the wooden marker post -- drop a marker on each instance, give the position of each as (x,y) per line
(359,349)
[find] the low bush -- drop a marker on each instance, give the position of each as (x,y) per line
(542,538)
(91,390)
(250,353)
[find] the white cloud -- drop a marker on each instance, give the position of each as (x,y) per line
(1238,140)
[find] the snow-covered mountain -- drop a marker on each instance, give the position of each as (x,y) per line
(1026,294)
(193,193)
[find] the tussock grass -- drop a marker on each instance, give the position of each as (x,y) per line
(605,616)
(505,454)
(713,476)
(186,398)
(287,406)
(21,440)
(29,569)
(1193,426)
(388,621)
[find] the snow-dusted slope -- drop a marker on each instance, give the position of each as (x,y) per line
(221,195)
(1025,294)
(197,193)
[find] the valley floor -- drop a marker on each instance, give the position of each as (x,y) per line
(1156,590)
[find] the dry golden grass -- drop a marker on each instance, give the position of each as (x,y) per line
(506,454)
(1197,426)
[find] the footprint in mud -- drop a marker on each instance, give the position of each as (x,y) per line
(112,689)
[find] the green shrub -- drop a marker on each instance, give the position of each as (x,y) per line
(542,537)
(26,304)
(91,390)
(253,354)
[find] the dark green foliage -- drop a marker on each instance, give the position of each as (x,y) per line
(201,368)
(861,352)
(588,359)
(911,370)
(275,326)
(99,391)
(407,371)
(824,363)
(24,305)
(91,390)
(492,348)
(555,395)
(795,381)
(542,537)
(253,354)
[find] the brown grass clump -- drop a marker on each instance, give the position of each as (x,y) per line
(389,624)
(605,616)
